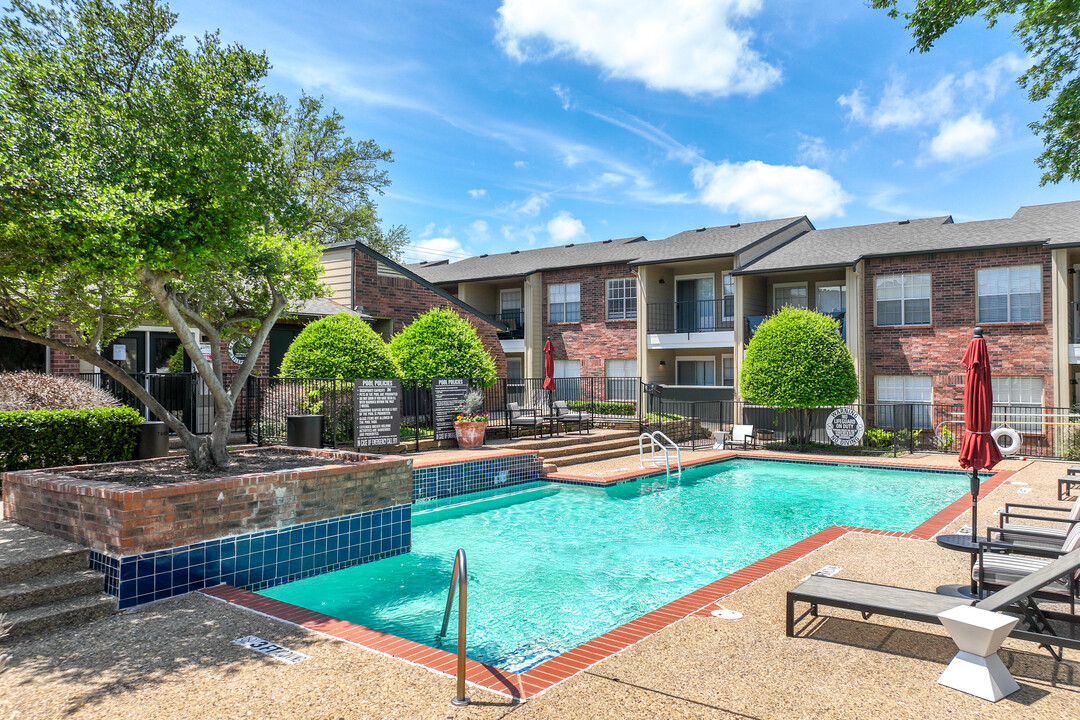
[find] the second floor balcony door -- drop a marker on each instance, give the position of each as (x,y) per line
(695,310)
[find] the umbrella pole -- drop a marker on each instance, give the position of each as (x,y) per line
(974,504)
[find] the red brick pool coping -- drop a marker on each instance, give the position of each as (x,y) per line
(536,680)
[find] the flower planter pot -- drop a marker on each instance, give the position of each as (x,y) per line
(470,435)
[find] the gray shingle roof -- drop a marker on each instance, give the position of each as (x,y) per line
(524,262)
(319,307)
(709,242)
(1055,224)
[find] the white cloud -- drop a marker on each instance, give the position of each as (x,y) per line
(564,96)
(755,189)
(530,206)
(478,193)
(478,232)
(691,46)
(565,228)
(428,230)
(812,151)
(855,102)
(435,248)
(521,164)
(967,137)
(902,109)
(517,237)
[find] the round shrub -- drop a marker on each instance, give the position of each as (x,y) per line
(338,346)
(35,391)
(797,359)
(442,344)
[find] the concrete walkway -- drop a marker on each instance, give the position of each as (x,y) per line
(176,659)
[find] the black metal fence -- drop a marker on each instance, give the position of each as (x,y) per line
(1045,432)
(184,395)
(691,316)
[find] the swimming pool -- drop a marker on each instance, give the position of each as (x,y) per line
(552,566)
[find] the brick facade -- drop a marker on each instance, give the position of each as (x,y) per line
(127,520)
(402,300)
(1019,349)
(62,363)
(595,338)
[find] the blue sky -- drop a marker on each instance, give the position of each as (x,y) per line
(523,123)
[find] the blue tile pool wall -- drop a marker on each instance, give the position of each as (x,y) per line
(445,481)
(258,560)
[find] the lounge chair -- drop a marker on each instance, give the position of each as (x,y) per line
(921,606)
(744,435)
(524,418)
(1041,535)
(564,414)
(1002,564)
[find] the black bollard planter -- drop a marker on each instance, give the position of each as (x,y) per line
(153,440)
(304,431)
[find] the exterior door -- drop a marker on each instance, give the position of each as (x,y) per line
(694,306)
(281,337)
(129,352)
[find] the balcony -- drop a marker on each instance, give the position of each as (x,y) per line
(514,320)
(753,321)
(1074,333)
(690,324)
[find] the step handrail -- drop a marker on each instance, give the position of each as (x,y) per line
(460,579)
(656,439)
(678,452)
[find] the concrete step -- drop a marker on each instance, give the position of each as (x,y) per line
(45,618)
(25,554)
(45,589)
(556,453)
(589,457)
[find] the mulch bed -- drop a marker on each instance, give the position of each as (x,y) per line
(176,469)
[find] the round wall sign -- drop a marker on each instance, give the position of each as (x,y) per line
(238,349)
(844,426)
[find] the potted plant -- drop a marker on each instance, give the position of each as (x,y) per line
(470,424)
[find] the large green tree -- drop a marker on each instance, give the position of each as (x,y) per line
(1049,31)
(797,360)
(442,344)
(144,179)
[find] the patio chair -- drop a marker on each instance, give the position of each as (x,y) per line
(1019,598)
(524,418)
(1041,535)
(1001,564)
(744,435)
(564,414)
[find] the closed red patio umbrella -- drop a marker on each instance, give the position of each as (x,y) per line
(549,370)
(978,450)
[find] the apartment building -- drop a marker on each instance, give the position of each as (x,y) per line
(906,294)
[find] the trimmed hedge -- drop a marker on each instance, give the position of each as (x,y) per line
(604,408)
(338,346)
(442,344)
(48,438)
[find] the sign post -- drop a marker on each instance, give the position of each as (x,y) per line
(376,412)
(449,397)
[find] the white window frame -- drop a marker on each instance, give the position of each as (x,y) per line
(618,390)
(502,302)
(561,364)
(1008,296)
(564,302)
(519,364)
(903,308)
(777,286)
(1025,417)
(882,412)
(828,284)
(626,299)
(720,378)
(724,278)
(694,358)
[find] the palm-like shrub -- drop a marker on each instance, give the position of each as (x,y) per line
(442,344)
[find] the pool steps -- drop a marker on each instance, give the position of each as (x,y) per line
(46,583)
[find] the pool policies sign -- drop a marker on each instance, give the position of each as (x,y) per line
(844,427)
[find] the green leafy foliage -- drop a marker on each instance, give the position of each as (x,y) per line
(48,438)
(797,359)
(1049,31)
(442,344)
(879,438)
(338,346)
(604,408)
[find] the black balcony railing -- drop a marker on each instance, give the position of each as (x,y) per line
(691,316)
(514,320)
(753,321)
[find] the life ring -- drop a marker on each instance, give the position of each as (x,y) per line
(1014,440)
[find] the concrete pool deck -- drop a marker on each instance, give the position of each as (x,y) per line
(176,657)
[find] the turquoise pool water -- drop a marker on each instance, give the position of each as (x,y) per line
(553,566)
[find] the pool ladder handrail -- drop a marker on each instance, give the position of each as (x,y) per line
(460,579)
(657,438)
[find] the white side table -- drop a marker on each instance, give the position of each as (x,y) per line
(719,439)
(977,669)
